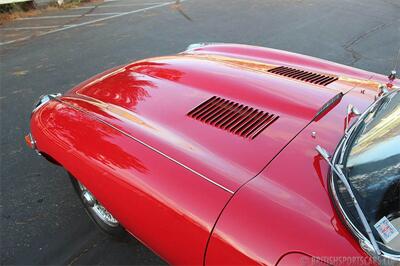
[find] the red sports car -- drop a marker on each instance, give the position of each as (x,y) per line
(234,154)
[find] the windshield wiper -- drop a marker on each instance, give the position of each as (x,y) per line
(336,168)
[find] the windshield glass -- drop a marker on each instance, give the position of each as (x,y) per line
(372,166)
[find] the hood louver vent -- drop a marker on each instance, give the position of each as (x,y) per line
(236,118)
(306,76)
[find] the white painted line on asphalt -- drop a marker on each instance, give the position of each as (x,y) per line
(16,40)
(107,18)
(104,14)
(126,5)
(49,17)
(30,28)
(72,16)
(153,3)
(90,22)
(122,5)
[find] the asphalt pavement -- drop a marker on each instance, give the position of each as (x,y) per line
(42,220)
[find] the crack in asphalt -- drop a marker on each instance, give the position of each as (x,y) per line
(85,251)
(81,16)
(391,3)
(178,7)
(348,46)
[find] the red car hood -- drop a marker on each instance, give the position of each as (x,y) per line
(149,101)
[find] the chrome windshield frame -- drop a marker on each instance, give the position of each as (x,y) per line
(365,243)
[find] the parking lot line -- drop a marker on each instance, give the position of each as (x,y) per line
(30,28)
(121,5)
(66,27)
(126,5)
(151,3)
(72,16)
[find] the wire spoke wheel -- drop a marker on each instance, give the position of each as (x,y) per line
(98,213)
(95,207)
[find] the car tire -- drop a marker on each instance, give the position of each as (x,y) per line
(98,213)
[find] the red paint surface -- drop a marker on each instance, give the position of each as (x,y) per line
(155,199)
(287,207)
(296,258)
(167,177)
